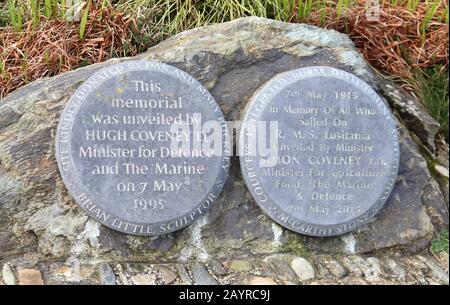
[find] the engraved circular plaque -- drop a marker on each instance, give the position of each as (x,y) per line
(319,150)
(142,147)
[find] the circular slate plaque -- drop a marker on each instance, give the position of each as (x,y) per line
(142,148)
(332,151)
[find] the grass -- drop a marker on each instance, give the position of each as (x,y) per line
(432,85)
(411,40)
(440,242)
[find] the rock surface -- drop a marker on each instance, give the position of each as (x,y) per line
(30,277)
(38,220)
(106,274)
(412,113)
(303,269)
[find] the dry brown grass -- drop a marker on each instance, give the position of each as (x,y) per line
(54,46)
(394,44)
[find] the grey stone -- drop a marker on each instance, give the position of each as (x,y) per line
(107,276)
(241,265)
(202,276)
(432,281)
(442,174)
(241,55)
(72,272)
(417,262)
(264,267)
(122,277)
(30,277)
(321,271)
(445,192)
(443,258)
(390,228)
(303,269)
(416,277)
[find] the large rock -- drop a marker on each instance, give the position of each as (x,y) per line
(413,114)
(38,220)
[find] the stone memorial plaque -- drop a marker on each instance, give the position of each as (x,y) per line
(332,152)
(142,148)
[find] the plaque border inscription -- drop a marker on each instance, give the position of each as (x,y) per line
(77,190)
(255,109)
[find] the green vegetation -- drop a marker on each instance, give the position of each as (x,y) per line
(440,243)
(164,18)
(412,5)
(430,13)
(432,88)
(176,14)
(84,20)
(34,10)
(2,70)
(305,8)
(4,18)
(173,16)
(16,16)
